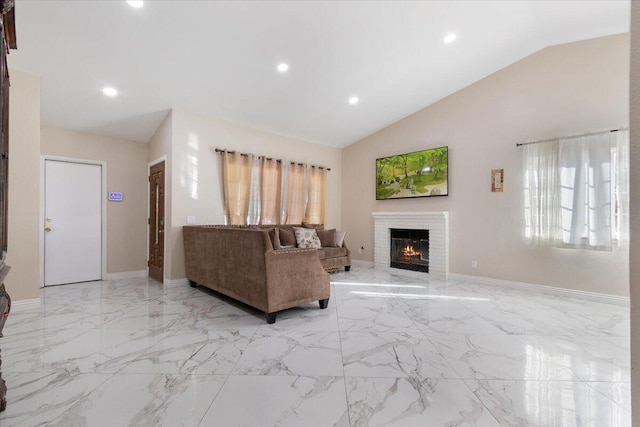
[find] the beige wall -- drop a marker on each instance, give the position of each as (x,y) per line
(126,173)
(560,90)
(635,212)
(196,185)
(160,147)
(23,256)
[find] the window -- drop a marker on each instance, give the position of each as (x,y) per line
(576,191)
(260,190)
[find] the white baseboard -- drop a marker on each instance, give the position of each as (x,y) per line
(176,282)
(361,264)
(138,274)
(552,290)
(25,304)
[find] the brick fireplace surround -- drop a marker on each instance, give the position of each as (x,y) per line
(436,222)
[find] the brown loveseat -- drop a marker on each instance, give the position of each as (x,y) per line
(242,263)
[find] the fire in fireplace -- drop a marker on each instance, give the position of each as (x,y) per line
(410,249)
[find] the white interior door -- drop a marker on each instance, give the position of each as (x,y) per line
(73,222)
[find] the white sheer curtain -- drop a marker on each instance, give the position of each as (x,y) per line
(585,191)
(576,191)
(621,188)
(541,193)
(253,216)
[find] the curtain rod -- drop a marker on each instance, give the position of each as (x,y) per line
(520,144)
(219,150)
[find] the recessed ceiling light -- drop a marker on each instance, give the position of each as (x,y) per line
(353,100)
(136,3)
(283,67)
(109,91)
(450,38)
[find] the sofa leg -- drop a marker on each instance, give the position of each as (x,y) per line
(347,268)
(271,318)
(192,283)
(324,303)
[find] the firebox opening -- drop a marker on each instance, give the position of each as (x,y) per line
(410,249)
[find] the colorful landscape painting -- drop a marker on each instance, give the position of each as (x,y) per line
(419,174)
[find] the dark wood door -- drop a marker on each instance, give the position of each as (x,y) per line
(156,222)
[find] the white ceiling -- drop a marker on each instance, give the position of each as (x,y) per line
(219,58)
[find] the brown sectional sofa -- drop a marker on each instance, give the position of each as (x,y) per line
(241,262)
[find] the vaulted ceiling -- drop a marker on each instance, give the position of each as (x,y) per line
(219,58)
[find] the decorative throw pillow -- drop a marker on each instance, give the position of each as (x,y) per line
(327,238)
(287,237)
(340,238)
(307,238)
(273,236)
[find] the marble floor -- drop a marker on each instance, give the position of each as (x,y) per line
(389,350)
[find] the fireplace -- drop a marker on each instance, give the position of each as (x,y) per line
(409,249)
(436,222)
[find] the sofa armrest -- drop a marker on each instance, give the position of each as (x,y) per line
(295,276)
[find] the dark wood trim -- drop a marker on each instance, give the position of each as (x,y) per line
(8,33)
(9,20)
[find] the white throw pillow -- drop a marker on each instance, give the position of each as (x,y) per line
(340,238)
(307,238)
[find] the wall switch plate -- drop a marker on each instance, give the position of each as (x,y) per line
(474,264)
(191,220)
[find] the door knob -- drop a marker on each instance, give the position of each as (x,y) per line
(47,229)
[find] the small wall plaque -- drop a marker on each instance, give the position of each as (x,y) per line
(497,180)
(115,196)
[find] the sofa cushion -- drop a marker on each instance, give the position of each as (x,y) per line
(340,238)
(327,237)
(314,226)
(322,254)
(307,238)
(287,237)
(334,252)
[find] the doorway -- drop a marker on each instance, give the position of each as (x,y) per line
(73,221)
(156,221)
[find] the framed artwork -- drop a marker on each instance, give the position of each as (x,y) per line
(497,180)
(418,174)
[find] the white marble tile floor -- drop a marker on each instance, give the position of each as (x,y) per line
(390,350)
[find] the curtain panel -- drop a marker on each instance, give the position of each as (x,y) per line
(585,192)
(296,195)
(253,216)
(541,193)
(271,178)
(316,204)
(236,172)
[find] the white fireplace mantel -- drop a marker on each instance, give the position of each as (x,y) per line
(436,222)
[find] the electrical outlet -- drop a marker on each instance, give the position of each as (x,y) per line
(191,220)
(361,249)
(474,264)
